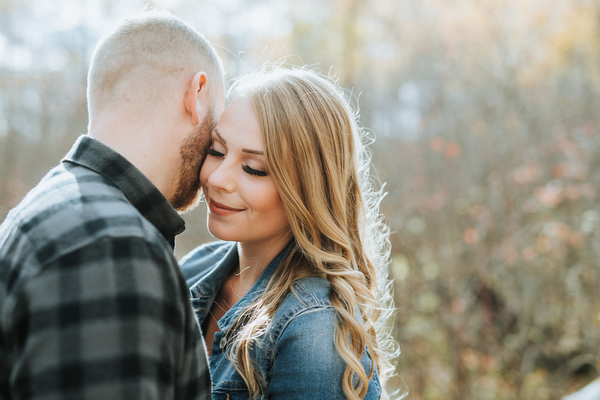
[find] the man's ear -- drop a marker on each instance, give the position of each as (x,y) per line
(192,96)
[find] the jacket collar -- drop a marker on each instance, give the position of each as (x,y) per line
(205,290)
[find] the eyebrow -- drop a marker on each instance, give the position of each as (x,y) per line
(249,151)
(220,137)
(253,151)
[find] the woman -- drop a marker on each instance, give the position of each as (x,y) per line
(290,304)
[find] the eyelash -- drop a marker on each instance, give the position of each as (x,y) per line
(214,153)
(247,169)
(253,171)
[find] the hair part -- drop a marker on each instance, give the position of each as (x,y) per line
(148,54)
(315,153)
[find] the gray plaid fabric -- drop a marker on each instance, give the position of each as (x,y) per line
(92,302)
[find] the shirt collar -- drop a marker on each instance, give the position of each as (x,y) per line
(144,196)
(207,287)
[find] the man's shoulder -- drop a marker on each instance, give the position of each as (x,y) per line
(70,207)
(65,187)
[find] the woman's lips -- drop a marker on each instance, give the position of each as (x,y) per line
(221,209)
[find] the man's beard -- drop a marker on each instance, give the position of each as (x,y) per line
(193,153)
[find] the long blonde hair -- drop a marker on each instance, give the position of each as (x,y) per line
(315,153)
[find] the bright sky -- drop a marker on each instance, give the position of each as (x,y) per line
(40,28)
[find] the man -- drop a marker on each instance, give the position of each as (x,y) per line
(92,302)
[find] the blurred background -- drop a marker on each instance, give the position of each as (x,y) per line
(486,115)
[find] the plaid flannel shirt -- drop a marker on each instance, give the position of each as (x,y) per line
(92,302)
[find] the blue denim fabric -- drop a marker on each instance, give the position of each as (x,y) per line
(296,356)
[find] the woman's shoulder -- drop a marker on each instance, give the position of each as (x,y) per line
(302,339)
(309,295)
(312,290)
(199,261)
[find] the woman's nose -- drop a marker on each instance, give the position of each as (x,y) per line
(223,177)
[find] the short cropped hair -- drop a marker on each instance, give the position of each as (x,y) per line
(153,47)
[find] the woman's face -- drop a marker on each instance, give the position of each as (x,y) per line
(243,203)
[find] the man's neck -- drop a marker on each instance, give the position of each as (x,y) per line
(142,146)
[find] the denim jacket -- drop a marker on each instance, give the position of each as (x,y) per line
(296,356)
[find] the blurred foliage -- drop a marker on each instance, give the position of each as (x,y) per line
(487,119)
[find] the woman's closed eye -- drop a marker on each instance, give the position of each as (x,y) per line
(246,168)
(214,153)
(249,170)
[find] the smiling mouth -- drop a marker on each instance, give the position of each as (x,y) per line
(221,209)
